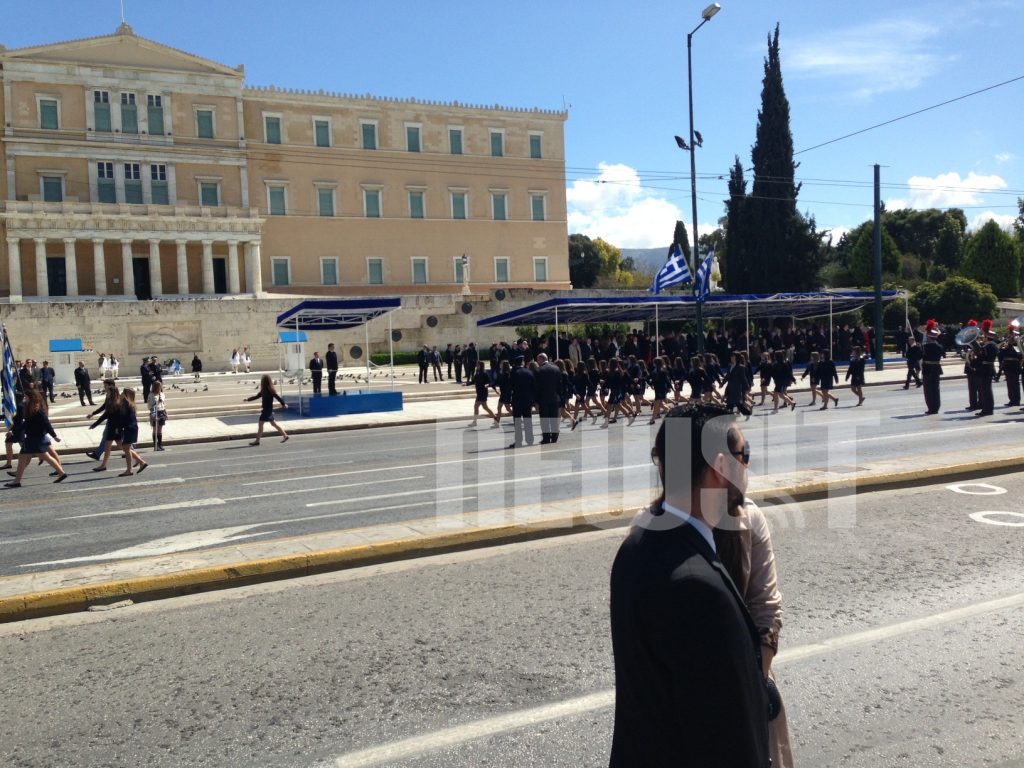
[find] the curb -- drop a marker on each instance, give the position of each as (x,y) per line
(70,599)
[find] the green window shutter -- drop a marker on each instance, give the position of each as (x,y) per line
(501,271)
(323,133)
(102,115)
(133,192)
(376,271)
(155,116)
(499,208)
(416,205)
(129,119)
(537,207)
(535,148)
(458,205)
(369,136)
(455,141)
(204,124)
(372,198)
(540,270)
(48,114)
(53,191)
(412,138)
(277,201)
(329,272)
(497,144)
(208,194)
(160,196)
(105,191)
(419,271)
(273,130)
(280,271)
(325,200)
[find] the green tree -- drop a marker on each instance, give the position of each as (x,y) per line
(862,257)
(949,244)
(736,264)
(992,257)
(611,258)
(954,300)
(584,261)
(682,239)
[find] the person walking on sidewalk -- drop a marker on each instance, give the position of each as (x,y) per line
(267,395)
(83,381)
(197,366)
(128,431)
(482,381)
(38,432)
(157,405)
(108,409)
(235,360)
(146,374)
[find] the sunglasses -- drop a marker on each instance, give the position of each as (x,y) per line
(743,455)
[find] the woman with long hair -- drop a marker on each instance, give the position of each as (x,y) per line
(157,405)
(109,413)
(128,426)
(267,395)
(662,383)
(38,432)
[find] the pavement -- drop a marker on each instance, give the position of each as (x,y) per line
(78,588)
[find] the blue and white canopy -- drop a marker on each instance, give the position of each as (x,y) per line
(335,314)
(629,309)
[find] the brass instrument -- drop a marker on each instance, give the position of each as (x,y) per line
(967,340)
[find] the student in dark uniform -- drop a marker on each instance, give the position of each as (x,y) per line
(504,386)
(661,382)
(37,434)
(1009,366)
(812,371)
(914,355)
(985,370)
(971,372)
(855,374)
(782,375)
(828,377)
(316,372)
(735,384)
(482,381)
(267,395)
(931,367)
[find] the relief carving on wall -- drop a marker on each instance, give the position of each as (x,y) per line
(149,338)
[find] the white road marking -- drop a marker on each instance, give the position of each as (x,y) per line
(989,490)
(983,517)
(28,539)
(406,749)
(937,433)
(213,502)
(131,484)
(349,512)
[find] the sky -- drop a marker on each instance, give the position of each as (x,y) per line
(620,70)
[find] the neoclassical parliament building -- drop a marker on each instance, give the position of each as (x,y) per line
(132,170)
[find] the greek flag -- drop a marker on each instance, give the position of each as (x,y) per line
(675,272)
(7,374)
(704,276)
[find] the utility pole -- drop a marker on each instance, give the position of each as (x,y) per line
(879,330)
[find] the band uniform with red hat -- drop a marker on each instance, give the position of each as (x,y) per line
(932,353)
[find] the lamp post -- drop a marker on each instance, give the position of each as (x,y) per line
(706,15)
(465,275)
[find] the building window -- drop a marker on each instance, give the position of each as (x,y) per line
(272,129)
(129,114)
(204,123)
(133,183)
(52,189)
(416,207)
(158,185)
(455,141)
(329,271)
(375,271)
(101,111)
(49,113)
(325,201)
(155,114)
(458,205)
(461,271)
(280,269)
(540,269)
(322,131)
(419,271)
(369,131)
(277,200)
(209,193)
(497,143)
(537,206)
(535,146)
(106,190)
(412,138)
(499,205)
(501,269)
(371,203)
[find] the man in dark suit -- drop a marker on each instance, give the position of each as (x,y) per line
(332,370)
(470,357)
(316,372)
(84,383)
(689,689)
(524,394)
(46,378)
(549,398)
(147,378)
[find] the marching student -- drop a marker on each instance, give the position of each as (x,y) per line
(38,432)
(267,395)
(827,377)
(812,371)
(855,374)
(481,380)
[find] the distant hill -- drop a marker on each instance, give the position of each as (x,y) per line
(646,259)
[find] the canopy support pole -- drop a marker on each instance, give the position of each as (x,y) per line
(366,350)
(302,361)
(657,332)
(391,351)
(746,330)
(556,333)
(831,328)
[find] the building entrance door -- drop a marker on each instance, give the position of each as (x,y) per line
(143,291)
(56,276)
(220,276)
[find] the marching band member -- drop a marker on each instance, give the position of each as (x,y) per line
(1009,365)
(971,371)
(985,370)
(932,353)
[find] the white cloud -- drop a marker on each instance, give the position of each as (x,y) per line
(616,208)
(1005,157)
(880,57)
(947,190)
(1004,220)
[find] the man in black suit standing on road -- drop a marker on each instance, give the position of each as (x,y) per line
(84,383)
(332,369)
(549,398)
(689,689)
(316,372)
(524,394)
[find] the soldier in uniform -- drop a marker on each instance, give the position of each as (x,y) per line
(971,369)
(932,353)
(1009,366)
(985,370)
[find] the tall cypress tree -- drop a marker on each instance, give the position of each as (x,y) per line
(682,239)
(737,264)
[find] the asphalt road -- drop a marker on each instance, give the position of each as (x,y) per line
(901,647)
(206,494)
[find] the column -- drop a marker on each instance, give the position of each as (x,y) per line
(42,280)
(253,270)
(99,266)
(14,267)
(208,267)
(234,288)
(70,266)
(156,285)
(127,270)
(182,267)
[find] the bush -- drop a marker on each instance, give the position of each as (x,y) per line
(954,300)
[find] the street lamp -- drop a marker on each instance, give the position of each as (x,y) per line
(465,275)
(706,15)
